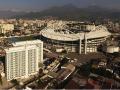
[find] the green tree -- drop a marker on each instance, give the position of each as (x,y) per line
(15,82)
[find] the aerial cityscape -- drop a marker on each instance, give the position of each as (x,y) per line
(59,44)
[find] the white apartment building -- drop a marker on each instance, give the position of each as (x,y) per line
(22,59)
(4,28)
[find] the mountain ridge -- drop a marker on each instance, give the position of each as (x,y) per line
(10,13)
(69,11)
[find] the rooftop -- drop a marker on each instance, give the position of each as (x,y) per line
(100,31)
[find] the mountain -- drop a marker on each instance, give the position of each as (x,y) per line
(72,12)
(53,11)
(7,14)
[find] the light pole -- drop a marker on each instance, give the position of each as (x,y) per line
(80,49)
(85,43)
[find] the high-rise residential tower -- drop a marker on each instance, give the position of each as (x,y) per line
(22,59)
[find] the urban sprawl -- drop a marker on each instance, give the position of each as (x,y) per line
(58,54)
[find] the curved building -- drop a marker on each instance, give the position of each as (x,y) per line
(81,38)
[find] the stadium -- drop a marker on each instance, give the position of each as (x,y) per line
(80,37)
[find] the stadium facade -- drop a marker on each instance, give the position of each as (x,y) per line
(80,37)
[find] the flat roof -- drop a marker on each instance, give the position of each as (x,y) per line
(30,42)
(19,39)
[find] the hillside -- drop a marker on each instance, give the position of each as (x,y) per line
(72,12)
(8,14)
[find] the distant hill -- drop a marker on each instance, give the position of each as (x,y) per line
(72,12)
(8,14)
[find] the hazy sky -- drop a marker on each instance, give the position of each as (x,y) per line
(37,5)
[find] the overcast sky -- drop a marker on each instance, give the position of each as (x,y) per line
(38,5)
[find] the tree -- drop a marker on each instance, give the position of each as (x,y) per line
(14,81)
(85,69)
(1,80)
(1,34)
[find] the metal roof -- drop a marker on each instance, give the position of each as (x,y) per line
(100,31)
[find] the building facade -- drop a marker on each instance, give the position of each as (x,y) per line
(85,39)
(22,59)
(4,28)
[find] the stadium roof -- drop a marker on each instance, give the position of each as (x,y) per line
(100,31)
